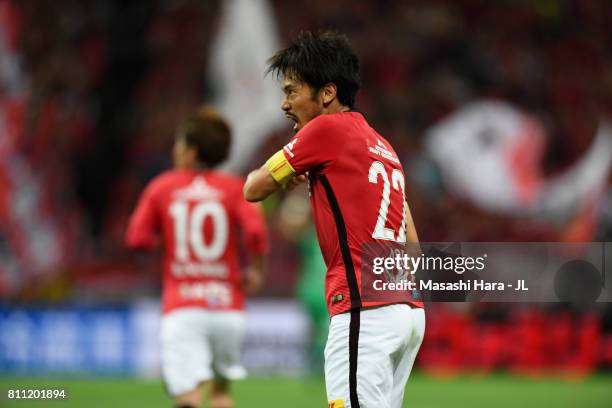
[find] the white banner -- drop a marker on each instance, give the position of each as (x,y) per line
(490,153)
(250,101)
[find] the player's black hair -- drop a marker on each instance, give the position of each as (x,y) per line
(209,133)
(319,59)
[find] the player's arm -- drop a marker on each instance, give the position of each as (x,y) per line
(259,185)
(141,232)
(305,152)
(411,233)
(253,226)
(269,178)
(255,275)
(413,248)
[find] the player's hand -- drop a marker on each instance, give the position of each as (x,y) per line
(295,181)
(253,281)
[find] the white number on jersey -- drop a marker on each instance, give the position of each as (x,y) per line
(189,230)
(397,178)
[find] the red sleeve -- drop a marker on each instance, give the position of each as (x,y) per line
(143,227)
(316,146)
(253,227)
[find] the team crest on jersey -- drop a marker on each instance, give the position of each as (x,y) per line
(336,404)
(199,189)
(337,298)
(289,147)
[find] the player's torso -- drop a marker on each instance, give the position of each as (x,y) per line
(366,181)
(199,228)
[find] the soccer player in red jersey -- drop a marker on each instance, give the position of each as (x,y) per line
(202,219)
(356,184)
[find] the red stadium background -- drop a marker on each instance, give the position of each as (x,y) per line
(91,93)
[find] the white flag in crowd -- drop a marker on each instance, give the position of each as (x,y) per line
(247,38)
(567,192)
(491,154)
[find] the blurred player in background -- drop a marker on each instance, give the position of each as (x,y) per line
(296,226)
(202,219)
(356,183)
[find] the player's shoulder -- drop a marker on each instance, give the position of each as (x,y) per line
(335,120)
(339,123)
(166,180)
(225,177)
(381,140)
(225,180)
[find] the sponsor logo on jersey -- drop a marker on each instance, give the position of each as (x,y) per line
(289,147)
(199,269)
(381,150)
(336,404)
(216,294)
(199,189)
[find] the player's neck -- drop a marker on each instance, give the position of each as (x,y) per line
(335,107)
(190,167)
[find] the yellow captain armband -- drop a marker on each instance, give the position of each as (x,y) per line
(279,168)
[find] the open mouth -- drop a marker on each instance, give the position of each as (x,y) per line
(294,119)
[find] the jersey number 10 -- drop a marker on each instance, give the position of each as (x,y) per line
(189,230)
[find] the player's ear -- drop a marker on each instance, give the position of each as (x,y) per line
(328,93)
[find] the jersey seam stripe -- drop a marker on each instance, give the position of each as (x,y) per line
(354,327)
(351,277)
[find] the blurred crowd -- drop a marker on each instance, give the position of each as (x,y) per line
(91,93)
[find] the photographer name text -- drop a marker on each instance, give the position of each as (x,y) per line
(467,285)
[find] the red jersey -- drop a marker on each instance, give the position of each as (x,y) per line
(200,216)
(356,185)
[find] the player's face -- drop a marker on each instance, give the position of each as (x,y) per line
(301,102)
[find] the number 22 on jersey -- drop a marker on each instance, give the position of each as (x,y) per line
(381,232)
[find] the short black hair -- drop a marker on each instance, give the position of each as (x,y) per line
(209,133)
(318,59)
